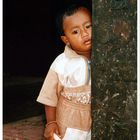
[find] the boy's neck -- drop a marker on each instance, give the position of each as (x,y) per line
(85,54)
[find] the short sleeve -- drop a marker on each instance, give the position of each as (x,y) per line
(48,93)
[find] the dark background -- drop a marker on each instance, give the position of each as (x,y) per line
(30,40)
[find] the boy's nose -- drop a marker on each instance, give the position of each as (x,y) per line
(84,33)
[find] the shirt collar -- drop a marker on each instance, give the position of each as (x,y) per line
(70,53)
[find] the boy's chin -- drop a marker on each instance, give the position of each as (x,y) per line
(88,47)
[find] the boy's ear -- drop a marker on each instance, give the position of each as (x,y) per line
(65,40)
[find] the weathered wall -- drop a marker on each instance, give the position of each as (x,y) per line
(114,65)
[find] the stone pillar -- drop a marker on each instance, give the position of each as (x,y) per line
(114,70)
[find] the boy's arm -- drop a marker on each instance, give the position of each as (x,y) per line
(51,126)
(50,113)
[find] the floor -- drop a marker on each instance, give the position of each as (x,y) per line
(26,129)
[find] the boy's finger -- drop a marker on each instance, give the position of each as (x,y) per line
(58,132)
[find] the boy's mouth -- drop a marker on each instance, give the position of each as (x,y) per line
(87,41)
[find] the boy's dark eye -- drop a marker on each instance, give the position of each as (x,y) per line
(75,32)
(88,26)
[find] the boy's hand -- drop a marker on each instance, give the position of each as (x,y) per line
(50,130)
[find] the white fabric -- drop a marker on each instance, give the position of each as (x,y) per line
(75,134)
(72,72)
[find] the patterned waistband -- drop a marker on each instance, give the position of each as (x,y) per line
(80,94)
(74,105)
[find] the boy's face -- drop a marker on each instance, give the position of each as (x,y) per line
(78,31)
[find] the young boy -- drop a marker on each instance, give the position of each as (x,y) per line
(66,92)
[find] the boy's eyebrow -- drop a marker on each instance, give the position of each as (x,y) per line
(87,22)
(83,24)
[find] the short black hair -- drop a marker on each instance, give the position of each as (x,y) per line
(68,9)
